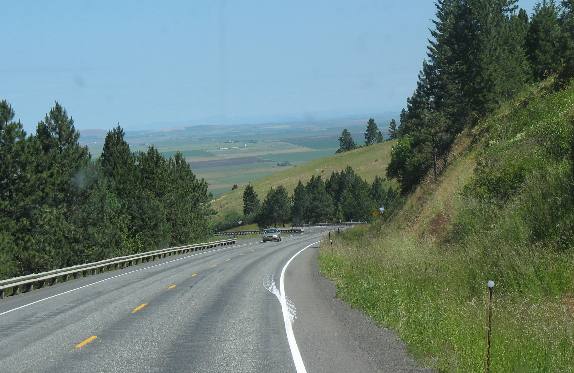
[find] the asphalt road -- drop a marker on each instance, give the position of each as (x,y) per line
(226,310)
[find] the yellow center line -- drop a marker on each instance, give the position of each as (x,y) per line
(139,308)
(86,341)
(193,275)
(172,286)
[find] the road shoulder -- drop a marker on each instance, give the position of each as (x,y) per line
(331,335)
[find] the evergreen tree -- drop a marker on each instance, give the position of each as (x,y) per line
(321,207)
(187,203)
(147,208)
(250,201)
(476,59)
(60,158)
(118,163)
(436,134)
(58,208)
(299,210)
(406,165)
(393,130)
(378,192)
(543,40)
(356,202)
(339,182)
(104,224)
(346,142)
(275,209)
(12,138)
(59,186)
(371,133)
(567,41)
(14,187)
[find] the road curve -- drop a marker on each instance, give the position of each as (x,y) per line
(216,311)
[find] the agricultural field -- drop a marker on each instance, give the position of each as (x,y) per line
(228,155)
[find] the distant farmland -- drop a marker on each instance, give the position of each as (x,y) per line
(228,155)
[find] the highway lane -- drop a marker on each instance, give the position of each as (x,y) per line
(211,312)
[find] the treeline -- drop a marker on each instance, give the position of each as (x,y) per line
(59,207)
(482,52)
(344,196)
(372,136)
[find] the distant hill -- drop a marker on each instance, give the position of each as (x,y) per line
(368,162)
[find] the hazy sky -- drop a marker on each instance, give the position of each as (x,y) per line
(150,64)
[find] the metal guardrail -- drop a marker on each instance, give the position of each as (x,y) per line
(345,223)
(292,230)
(27,283)
(245,233)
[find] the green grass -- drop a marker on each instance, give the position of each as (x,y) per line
(367,162)
(504,211)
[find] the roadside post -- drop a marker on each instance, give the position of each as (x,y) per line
(331,241)
(490,285)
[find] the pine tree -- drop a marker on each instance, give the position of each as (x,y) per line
(378,192)
(103,223)
(321,207)
(12,161)
(371,133)
(250,201)
(117,161)
(187,203)
(147,204)
(346,142)
(300,202)
(393,130)
(61,158)
(476,59)
(14,187)
(543,40)
(276,209)
(356,202)
(567,41)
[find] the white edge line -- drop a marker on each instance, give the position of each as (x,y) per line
(110,278)
(297,359)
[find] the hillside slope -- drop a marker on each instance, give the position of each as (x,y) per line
(367,162)
(504,211)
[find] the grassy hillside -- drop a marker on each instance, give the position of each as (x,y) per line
(503,210)
(367,162)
